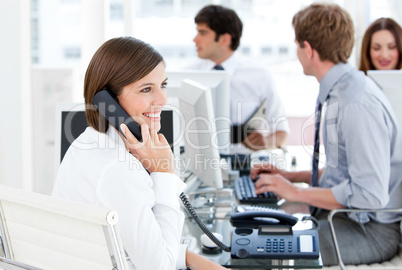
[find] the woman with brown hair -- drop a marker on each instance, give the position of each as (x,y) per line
(103,167)
(382,46)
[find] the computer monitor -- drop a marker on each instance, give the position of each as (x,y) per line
(201,154)
(218,82)
(71,122)
(390,81)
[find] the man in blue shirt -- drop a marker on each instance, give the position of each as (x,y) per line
(362,140)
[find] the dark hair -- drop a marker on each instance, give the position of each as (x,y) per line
(379,24)
(116,64)
(329,30)
(221,20)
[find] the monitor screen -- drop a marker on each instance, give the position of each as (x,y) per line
(71,122)
(390,81)
(78,123)
(218,82)
(201,154)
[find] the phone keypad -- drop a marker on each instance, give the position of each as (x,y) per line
(277,245)
(298,245)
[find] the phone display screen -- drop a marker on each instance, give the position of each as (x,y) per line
(274,230)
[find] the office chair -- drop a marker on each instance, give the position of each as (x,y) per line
(43,232)
(394,263)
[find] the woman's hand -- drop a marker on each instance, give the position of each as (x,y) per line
(197,262)
(153,152)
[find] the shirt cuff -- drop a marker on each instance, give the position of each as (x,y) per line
(167,186)
(181,259)
(282,126)
(342,193)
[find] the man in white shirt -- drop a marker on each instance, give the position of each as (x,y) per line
(219,30)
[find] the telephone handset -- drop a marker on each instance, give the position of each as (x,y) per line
(106,103)
(253,219)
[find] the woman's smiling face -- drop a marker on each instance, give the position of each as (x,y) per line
(383,50)
(144,99)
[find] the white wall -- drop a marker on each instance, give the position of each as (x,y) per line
(15,100)
(22,107)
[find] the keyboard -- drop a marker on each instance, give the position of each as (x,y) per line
(245,192)
(256,208)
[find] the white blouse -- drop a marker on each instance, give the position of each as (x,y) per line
(97,169)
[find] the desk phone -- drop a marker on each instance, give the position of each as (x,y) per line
(274,242)
(269,235)
(264,235)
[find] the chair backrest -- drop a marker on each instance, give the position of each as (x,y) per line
(52,233)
